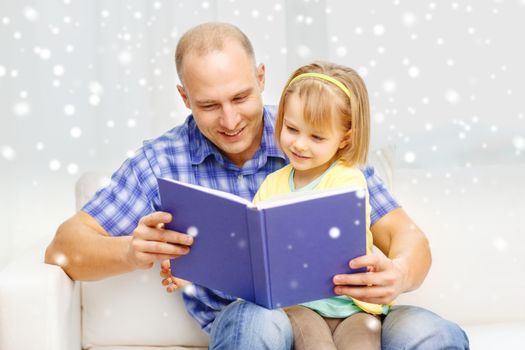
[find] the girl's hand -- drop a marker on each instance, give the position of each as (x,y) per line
(171,283)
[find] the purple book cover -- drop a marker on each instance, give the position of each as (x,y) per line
(220,255)
(311,241)
(273,255)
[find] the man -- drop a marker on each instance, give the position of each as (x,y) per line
(227,143)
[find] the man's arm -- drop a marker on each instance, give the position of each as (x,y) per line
(401,240)
(404,268)
(87,252)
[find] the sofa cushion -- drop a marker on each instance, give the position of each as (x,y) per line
(87,185)
(142,348)
(508,335)
(134,309)
(474,219)
(382,160)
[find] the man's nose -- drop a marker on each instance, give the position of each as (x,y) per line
(229,118)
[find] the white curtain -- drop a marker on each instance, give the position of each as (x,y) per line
(82,83)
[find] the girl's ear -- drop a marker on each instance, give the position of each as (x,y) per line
(345,140)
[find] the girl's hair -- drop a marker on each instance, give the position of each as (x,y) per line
(325,103)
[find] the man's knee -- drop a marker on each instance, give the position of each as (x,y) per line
(243,325)
(271,323)
(410,327)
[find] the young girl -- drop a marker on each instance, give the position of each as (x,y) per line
(323,126)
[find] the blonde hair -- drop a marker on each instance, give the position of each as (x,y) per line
(209,37)
(324,103)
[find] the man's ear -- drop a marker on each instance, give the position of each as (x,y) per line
(261,76)
(184,96)
(346,139)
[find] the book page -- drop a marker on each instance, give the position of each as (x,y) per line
(214,192)
(294,197)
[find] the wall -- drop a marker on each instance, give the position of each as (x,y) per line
(83,83)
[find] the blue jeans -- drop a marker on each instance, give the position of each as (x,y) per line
(412,327)
(243,325)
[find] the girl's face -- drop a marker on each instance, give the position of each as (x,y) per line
(311,151)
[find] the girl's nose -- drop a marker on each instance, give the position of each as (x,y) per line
(299,144)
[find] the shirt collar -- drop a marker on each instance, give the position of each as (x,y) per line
(201,148)
(268,143)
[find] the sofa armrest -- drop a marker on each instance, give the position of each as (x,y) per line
(39,305)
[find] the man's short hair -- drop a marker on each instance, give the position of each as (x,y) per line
(209,37)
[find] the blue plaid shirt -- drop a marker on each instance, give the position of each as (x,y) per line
(184,154)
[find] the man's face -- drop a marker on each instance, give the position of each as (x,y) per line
(223,90)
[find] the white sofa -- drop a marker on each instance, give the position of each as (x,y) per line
(474,218)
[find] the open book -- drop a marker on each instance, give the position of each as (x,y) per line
(283,251)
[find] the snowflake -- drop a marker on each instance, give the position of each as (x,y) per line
(334,232)
(379,29)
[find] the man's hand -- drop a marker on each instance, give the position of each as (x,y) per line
(383,282)
(151,241)
(171,283)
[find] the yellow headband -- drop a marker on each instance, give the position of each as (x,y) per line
(323,77)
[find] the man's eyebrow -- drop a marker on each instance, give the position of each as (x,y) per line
(206,102)
(244,92)
(241,93)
